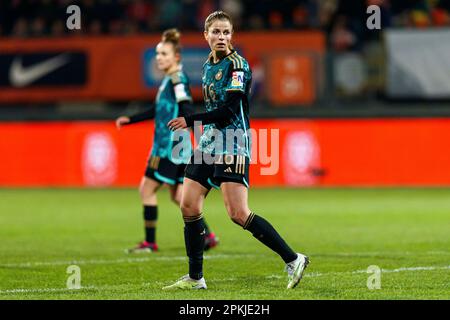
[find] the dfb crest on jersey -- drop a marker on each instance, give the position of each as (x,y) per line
(219,75)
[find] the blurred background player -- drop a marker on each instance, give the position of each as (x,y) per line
(226,87)
(173,98)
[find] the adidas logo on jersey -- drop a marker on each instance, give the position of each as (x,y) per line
(228,170)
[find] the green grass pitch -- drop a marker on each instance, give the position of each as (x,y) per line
(405,232)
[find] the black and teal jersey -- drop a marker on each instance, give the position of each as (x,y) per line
(173,90)
(230,74)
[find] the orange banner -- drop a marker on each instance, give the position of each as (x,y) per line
(122,68)
(286,153)
(292,79)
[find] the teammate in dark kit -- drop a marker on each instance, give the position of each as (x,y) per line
(164,166)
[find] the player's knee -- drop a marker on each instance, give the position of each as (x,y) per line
(237,215)
(189,208)
(142,192)
(146,192)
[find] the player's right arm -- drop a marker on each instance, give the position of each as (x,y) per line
(145,115)
(222,116)
(236,87)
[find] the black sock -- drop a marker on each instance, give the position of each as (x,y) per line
(194,238)
(207,231)
(150,217)
(264,232)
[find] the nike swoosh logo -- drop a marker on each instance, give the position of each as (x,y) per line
(21,77)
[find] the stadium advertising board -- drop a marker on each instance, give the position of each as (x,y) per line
(122,68)
(57,69)
(394,152)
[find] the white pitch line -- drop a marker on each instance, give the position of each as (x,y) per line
(182,258)
(43,290)
(318,274)
(117,261)
(415,269)
(384,253)
(308,275)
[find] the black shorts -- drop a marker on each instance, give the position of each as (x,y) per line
(226,168)
(163,170)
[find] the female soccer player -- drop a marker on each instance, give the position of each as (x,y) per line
(226,87)
(173,99)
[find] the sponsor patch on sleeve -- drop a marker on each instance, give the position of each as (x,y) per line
(180,92)
(237,80)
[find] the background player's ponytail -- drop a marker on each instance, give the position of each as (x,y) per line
(218,15)
(172,36)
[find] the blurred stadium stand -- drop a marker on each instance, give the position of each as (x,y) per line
(349,77)
(310,59)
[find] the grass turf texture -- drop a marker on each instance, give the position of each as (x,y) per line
(43,231)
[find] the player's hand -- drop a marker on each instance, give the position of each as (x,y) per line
(121,121)
(177,123)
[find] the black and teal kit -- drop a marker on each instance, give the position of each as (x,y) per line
(173,100)
(226,88)
(226,136)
